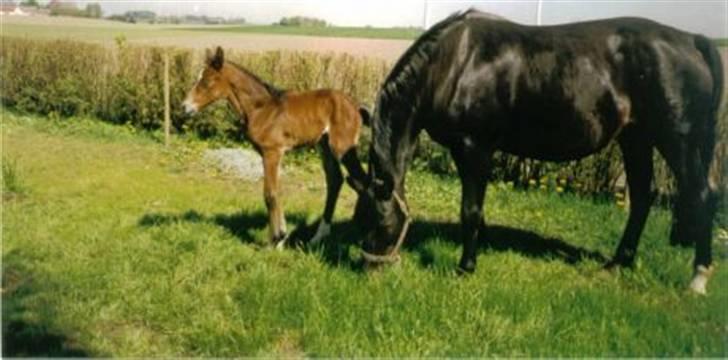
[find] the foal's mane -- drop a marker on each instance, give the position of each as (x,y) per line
(275,92)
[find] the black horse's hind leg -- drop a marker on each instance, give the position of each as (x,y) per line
(472,169)
(694,207)
(639,168)
(334,180)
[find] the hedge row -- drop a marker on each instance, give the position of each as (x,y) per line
(123,84)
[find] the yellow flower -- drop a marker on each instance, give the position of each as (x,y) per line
(532,182)
(559,189)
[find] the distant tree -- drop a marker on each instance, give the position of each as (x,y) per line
(93,10)
(302,21)
(136,16)
(30,3)
(65,8)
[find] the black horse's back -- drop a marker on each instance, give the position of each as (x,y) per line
(556,92)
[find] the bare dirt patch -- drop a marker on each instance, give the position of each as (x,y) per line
(388,50)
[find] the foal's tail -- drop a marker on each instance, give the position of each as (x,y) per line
(365,116)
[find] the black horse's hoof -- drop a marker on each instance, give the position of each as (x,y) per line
(465,269)
(681,236)
(681,242)
(615,264)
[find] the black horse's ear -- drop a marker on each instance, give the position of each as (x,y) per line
(217,60)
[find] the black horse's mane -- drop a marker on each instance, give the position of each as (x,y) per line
(274,91)
(405,72)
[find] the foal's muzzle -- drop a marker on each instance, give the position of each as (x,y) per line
(190,107)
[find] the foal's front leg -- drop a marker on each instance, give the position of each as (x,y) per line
(271,164)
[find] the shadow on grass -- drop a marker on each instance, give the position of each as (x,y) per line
(243,226)
(336,249)
(498,238)
(27,332)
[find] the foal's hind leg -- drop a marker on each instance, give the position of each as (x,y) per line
(638,165)
(334,179)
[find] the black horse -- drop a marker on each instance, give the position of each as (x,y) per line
(478,84)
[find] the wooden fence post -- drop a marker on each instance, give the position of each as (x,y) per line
(167,120)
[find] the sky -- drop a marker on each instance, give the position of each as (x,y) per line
(708,17)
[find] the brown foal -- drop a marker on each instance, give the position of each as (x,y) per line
(276,121)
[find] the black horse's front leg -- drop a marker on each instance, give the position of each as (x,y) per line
(472,168)
(638,166)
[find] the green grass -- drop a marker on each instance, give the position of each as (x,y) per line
(122,247)
(326,31)
(108,31)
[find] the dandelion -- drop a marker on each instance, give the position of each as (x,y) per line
(559,189)
(532,182)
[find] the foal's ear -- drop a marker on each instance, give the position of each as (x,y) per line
(216,60)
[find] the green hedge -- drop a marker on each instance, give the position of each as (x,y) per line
(123,84)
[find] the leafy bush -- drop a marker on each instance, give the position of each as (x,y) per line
(123,85)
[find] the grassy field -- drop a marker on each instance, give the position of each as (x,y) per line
(364,42)
(114,245)
(327,31)
(100,30)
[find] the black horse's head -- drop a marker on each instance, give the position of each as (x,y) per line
(381,214)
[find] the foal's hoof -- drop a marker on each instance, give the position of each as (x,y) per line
(280,242)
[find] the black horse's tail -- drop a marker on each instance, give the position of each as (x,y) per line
(712,58)
(365,116)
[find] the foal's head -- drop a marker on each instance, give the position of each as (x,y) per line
(210,85)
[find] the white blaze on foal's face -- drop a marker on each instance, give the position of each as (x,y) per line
(209,87)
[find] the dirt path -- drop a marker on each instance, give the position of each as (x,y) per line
(388,50)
